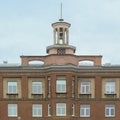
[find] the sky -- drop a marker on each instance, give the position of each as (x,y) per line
(25,27)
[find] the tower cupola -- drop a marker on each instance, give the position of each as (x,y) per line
(61,38)
(61,32)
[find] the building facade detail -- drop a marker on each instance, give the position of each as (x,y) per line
(60,88)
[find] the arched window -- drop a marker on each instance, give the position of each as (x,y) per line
(86,63)
(36,63)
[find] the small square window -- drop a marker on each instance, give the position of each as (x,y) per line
(85,110)
(109,110)
(37,110)
(12,87)
(61,86)
(37,87)
(110,87)
(12,110)
(85,87)
(61,109)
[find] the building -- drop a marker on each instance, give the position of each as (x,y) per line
(61,86)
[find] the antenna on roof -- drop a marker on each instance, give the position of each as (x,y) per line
(61,19)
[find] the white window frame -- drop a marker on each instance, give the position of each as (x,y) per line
(61,86)
(12,87)
(37,110)
(12,110)
(84,110)
(85,87)
(49,110)
(109,108)
(37,87)
(73,109)
(61,109)
(110,87)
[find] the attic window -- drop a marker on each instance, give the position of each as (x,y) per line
(60,51)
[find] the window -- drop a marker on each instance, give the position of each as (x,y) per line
(109,110)
(49,87)
(49,110)
(37,87)
(61,109)
(73,109)
(85,87)
(12,110)
(73,84)
(84,110)
(12,87)
(110,88)
(61,86)
(37,110)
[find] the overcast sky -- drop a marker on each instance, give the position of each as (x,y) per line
(25,27)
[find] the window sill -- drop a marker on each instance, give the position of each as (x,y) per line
(109,116)
(110,93)
(84,116)
(61,92)
(85,93)
(12,93)
(37,94)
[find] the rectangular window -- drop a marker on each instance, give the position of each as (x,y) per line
(84,110)
(37,87)
(85,87)
(110,110)
(49,110)
(49,86)
(110,88)
(12,110)
(12,87)
(73,109)
(61,86)
(73,84)
(61,109)
(37,110)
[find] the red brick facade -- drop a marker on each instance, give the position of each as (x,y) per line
(64,67)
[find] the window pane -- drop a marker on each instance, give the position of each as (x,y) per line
(12,87)
(85,87)
(12,110)
(37,87)
(49,110)
(60,109)
(73,109)
(110,110)
(84,110)
(110,87)
(37,110)
(61,86)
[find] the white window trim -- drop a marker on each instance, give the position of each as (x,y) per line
(13,109)
(12,91)
(38,115)
(37,92)
(49,110)
(85,87)
(109,108)
(84,109)
(61,90)
(73,109)
(110,90)
(57,107)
